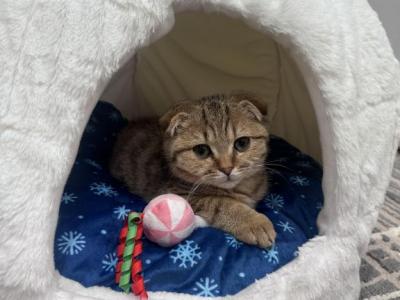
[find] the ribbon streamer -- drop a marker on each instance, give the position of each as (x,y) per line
(129,266)
(137,270)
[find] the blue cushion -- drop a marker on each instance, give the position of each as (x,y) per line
(208,263)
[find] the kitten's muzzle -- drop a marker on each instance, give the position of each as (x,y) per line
(226,170)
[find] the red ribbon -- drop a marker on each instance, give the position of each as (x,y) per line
(137,286)
(136,275)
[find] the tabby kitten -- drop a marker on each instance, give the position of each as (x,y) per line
(211,152)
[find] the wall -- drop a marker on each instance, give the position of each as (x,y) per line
(388,12)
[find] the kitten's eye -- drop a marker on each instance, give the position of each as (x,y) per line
(242,144)
(202,151)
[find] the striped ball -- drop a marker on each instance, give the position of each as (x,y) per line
(168,219)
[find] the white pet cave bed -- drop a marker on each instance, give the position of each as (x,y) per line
(328,59)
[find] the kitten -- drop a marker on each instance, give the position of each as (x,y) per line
(211,152)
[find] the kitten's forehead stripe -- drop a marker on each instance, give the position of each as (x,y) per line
(205,133)
(215,114)
(209,120)
(227,117)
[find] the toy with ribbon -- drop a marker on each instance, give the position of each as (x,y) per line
(129,266)
(166,220)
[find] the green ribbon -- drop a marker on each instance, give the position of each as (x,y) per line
(124,282)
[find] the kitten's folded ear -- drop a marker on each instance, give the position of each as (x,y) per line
(251,104)
(174,120)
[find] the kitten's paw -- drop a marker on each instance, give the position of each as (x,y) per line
(257,230)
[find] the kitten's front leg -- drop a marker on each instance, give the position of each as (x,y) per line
(234,217)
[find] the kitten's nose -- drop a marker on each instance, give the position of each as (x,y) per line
(226,170)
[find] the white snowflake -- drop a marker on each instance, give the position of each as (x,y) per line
(92,163)
(71,242)
(102,189)
(114,116)
(121,212)
(232,242)
(206,287)
(68,198)
(286,226)
(109,262)
(186,254)
(274,201)
(272,255)
(300,180)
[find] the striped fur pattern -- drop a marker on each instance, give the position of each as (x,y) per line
(212,152)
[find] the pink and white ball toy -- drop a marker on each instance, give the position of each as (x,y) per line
(169,219)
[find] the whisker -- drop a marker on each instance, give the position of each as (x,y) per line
(267,164)
(275,160)
(196,185)
(268,168)
(244,169)
(273,171)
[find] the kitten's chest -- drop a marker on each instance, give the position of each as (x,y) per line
(253,189)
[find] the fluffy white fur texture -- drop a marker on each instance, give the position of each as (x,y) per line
(57,56)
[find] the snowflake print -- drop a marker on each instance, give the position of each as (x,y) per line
(206,287)
(114,116)
(274,201)
(299,180)
(68,198)
(121,212)
(71,242)
(286,226)
(92,163)
(102,189)
(186,254)
(232,242)
(109,262)
(272,255)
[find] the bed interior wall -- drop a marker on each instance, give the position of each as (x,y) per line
(212,53)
